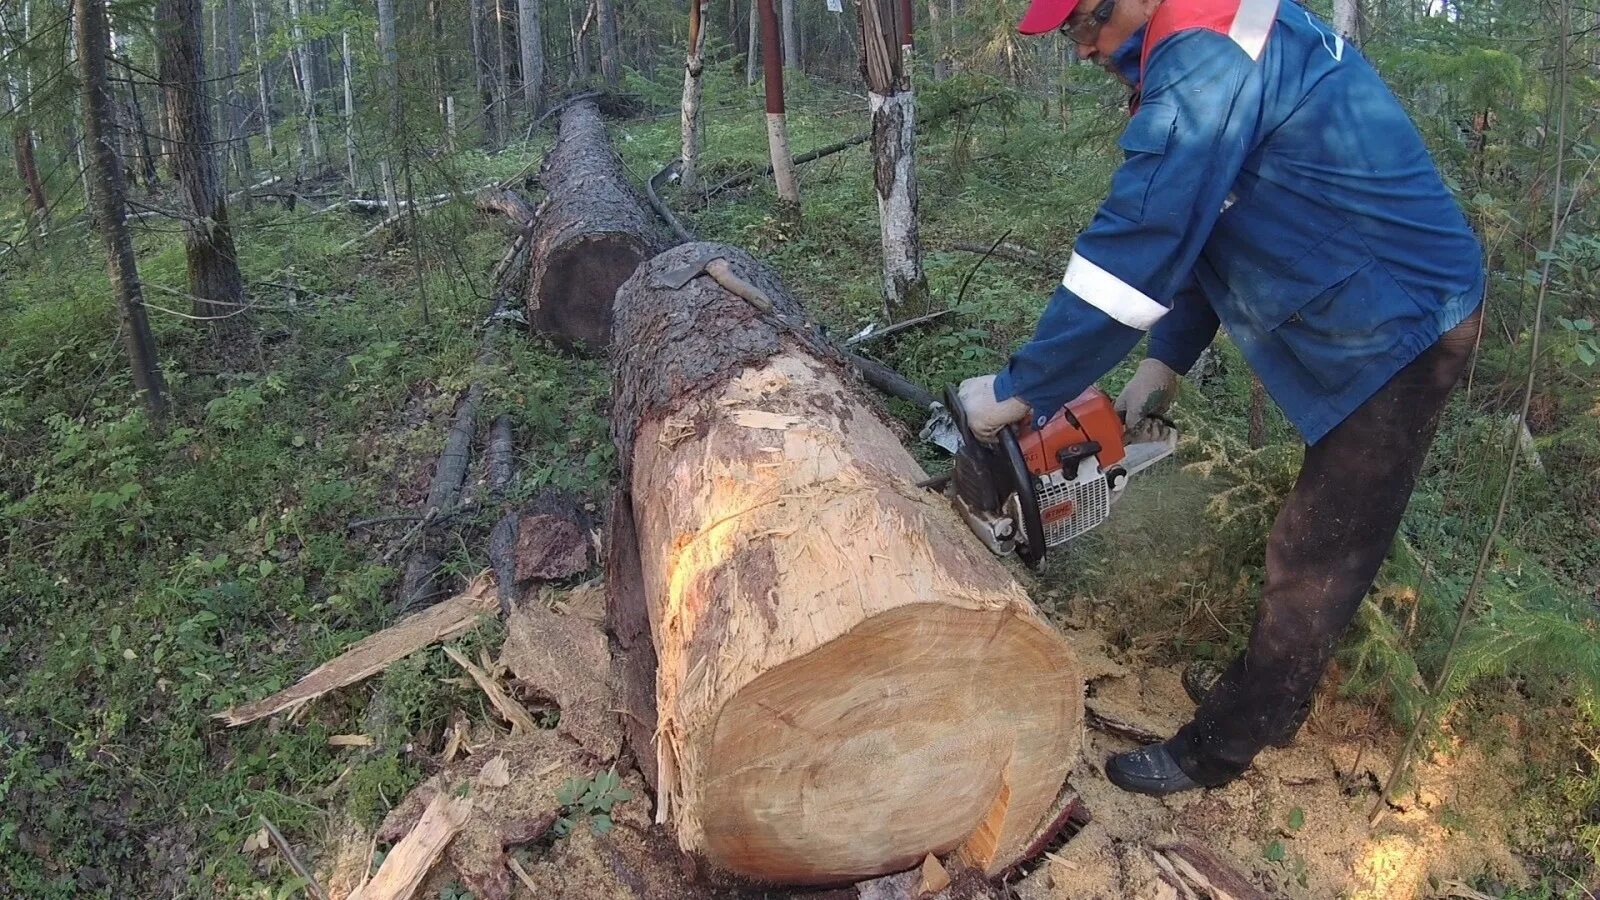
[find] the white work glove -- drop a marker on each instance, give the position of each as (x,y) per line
(1149,393)
(986,415)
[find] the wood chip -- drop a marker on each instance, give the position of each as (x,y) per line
(350,740)
(405,867)
(375,652)
(934,877)
(760,418)
(509,709)
(496,773)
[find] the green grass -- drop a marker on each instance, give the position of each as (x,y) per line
(152,576)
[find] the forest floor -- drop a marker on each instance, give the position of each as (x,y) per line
(155,576)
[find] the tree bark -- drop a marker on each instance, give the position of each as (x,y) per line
(610,41)
(262,87)
(791,41)
(752,53)
(777,120)
(591,233)
(233,119)
(531,33)
(886,57)
(308,84)
(692,87)
(391,90)
(488,91)
(837,656)
(214,279)
(1347,20)
(109,200)
(350,115)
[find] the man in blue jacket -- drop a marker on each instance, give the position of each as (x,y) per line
(1274,186)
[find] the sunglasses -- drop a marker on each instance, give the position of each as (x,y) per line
(1084,29)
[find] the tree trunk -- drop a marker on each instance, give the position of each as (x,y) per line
(28,170)
(1347,20)
(532,38)
(692,86)
(886,39)
(350,116)
(488,91)
(233,119)
(147,156)
(610,41)
(777,120)
(791,41)
(391,89)
(837,656)
(262,88)
(592,232)
(214,279)
(109,199)
(752,53)
(943,44)
(308,84)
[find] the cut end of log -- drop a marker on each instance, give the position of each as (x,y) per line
(810,786)
(578,284)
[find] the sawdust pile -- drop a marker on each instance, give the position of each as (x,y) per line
(1295,825)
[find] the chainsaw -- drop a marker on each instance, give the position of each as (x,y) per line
(1038,488)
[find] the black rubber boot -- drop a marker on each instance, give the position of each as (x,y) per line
(1149,770)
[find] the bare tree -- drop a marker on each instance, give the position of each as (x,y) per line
(777,119)
(261,77)
(391,89)
(488,75)
(752,53)
(610,41)
(306,65)
(886,56)
(530,15)
(109,198)
(233,119)
(349,112)
(791,42)
(1348,21)
(692,87)
(214,279)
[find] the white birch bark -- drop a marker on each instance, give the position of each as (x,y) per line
(308,82)
(693,86)
(894,129)
(349,112)
(782,159)
(261,78)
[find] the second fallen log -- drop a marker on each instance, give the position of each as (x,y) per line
(590,234)
(847,681)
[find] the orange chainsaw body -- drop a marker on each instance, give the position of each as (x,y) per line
(1088,418)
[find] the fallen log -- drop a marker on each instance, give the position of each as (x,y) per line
(591,233)
(847,681)
(505,201)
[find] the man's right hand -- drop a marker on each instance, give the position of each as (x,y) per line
(986,415)
(1149,393)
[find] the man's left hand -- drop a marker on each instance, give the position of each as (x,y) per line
(986,415)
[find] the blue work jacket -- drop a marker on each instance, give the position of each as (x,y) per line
(1273,184)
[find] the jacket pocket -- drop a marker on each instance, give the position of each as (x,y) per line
(1343,321)
(1146,136)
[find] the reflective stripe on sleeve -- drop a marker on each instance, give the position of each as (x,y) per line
(1252,23)
(1111,295)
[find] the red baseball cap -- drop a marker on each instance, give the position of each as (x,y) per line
(1045,15)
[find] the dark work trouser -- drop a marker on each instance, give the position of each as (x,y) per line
(1329,539)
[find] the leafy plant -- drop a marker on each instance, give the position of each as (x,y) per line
(590,799)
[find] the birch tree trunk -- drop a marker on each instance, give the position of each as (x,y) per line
(233,118)
(610,41)
(777,120)
(349,114)
(791,41)
(214,279)
(391,90)
(1347,20)
(308,83)
(531,34)
(886,65)
(108,201)
(692,88)
(752,51)
(262,87)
